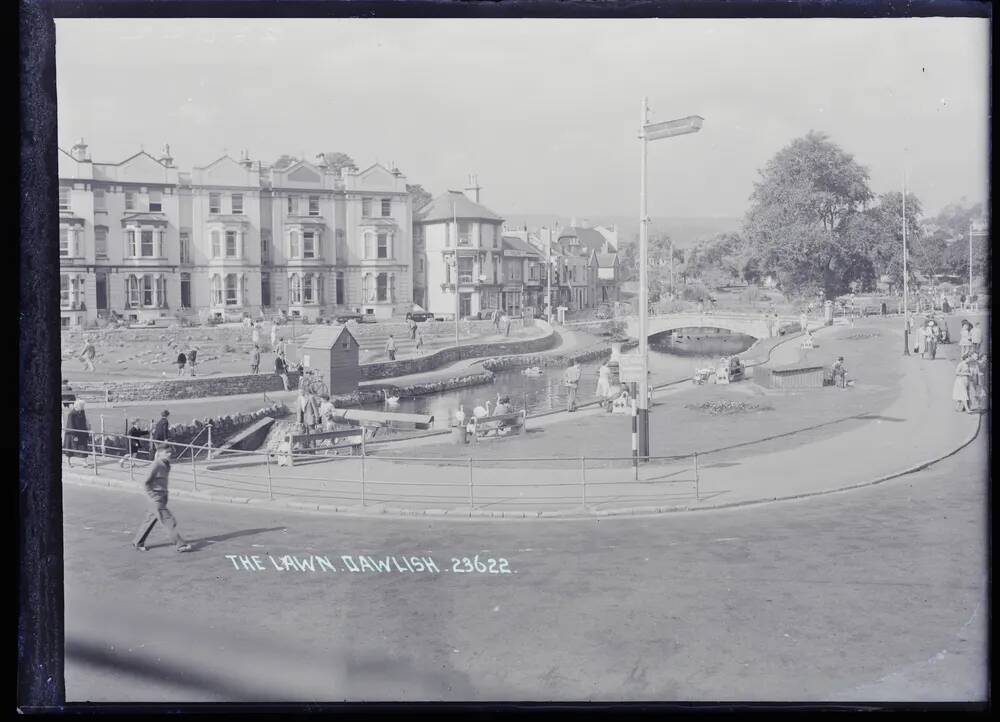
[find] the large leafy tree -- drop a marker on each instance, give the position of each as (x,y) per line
(337,160)
(800,212)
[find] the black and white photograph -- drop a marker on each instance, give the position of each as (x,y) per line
(505,359)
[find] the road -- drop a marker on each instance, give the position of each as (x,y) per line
(872,594)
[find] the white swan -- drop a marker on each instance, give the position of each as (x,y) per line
(481,411)
(391,400)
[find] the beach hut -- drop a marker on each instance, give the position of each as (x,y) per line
(333,352)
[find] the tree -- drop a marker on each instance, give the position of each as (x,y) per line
(418,195)
(799,212)
(336,160)
(284,161)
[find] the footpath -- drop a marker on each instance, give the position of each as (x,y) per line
(918,427)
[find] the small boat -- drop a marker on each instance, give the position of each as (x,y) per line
(533,371)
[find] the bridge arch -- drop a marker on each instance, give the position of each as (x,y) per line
(751,325)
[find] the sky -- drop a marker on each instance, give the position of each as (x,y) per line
(544,111)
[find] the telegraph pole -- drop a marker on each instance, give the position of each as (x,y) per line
(642,403)
(906,307)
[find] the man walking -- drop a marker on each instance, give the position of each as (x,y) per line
(192,357)
(255,359)
(161,432)
(87,354)
(413,328)
(571,379)
(75,442)
(390,348)
(156,490)
(281,369)
(274,335)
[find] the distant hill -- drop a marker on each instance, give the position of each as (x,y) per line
(684,231)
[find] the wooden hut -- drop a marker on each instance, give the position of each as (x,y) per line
(333,352)
(792,376)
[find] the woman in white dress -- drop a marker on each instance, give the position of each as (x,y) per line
(960,390)
(603,384)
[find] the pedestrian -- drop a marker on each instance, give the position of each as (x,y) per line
(839,373)
(134,439)
(390,348)
(974,302)
(281,370)
(274,335)
(192,359)
(974,378)
(932,339)
(255,336)
(803,322)
(326,411)
(922,338)
(282,347)
(87,354)
(420,341)
(75,442)
(604,385)
(571,379)
(413,328)
(156,486)
(495,317)
(962,300)
(506,325)
(965,340)
(255,359)
(960,389)
(161,431)
(976,337)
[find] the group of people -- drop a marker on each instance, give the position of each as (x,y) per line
(187,361)
(970,392)
(500,319)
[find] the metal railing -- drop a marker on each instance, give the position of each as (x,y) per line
(590,483)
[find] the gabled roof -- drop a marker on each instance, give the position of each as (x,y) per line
(589,238)
(216,162)
(513,243)
(145,217)
(455,204)
(326,337)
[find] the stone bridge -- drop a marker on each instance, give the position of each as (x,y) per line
(751,324)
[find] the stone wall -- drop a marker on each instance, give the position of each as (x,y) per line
(190,388)
(374,395)
(223,427)
(445,356)
(429,329)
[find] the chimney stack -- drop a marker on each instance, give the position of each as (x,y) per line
(245,159)
(472,190)
(79,151)
(321,160)
(165,157)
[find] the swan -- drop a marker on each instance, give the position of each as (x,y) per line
(391,400)
(481,411)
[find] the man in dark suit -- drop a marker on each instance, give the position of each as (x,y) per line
(156,490)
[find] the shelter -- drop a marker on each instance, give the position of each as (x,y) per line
(333,352)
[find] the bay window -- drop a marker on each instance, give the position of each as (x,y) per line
(147,290)
(383,246)
(216,289)
(64,301)
(64,242)
(295,289)
(307,288)
(230,244)
(185,290)
(309,244)
(132,291)
(147,243)
(293,244)
(465,269)
(131,244)
(382,287)
(216,244)
(369,244)
(464,233)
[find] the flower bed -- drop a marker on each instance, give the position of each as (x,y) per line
(727,406)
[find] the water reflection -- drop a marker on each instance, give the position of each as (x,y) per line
(667,362)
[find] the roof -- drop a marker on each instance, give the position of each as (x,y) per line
(454,204)
(513,243)
(326,337)
(145,217)
(590,238)
(606,260)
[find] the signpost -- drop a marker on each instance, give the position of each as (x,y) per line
(631,368)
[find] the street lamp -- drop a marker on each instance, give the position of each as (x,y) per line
(906,307)
(647,132)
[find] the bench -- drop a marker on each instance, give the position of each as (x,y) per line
(511,423)
(307,442)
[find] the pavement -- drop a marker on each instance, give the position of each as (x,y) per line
(917,427)
(879,594)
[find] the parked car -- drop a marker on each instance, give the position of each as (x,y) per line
(356,317)
(420,316)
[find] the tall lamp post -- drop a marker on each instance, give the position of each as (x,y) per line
(647,132)
(454,225)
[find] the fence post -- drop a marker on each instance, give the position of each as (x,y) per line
(267,464)
(697,491)
(194,468)
(128,452)
(104,447)
(583,479)
(209,442)
(472,504)
(362,475)
(93,451)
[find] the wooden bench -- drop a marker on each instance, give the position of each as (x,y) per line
(512,423)
(307,442)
